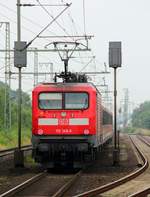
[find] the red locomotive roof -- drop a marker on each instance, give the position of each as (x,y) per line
(65,87)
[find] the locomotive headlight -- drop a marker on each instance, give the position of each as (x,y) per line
(40,132)
(86,131)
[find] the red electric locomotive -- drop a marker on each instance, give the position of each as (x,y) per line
(69,123)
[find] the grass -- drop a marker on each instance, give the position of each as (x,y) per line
(142,131)
(9,139)
(137,131)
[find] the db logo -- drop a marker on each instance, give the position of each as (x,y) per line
(63,122)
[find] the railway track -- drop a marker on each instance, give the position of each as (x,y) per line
(144,192)
(10,151)
(121,187)
(145,139)
(55,186)
(52,185)
(141,193)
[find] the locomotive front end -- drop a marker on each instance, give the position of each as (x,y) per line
(63,123)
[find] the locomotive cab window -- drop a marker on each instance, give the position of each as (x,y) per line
(63,101)
(76,100)
(50,101)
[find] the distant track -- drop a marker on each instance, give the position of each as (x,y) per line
(145,139)
(10,151)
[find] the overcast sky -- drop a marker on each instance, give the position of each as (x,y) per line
(107,20)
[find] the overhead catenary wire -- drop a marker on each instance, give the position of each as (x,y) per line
(74,25)
(60,25)
(73,20)
(87,64)
(51,5)
(33,22)
(54,17)
(2,67)
(75,31)
(47,26)
(22,16)
(13,21)
(16,33)
(26,18)
(34,33)
(84,21)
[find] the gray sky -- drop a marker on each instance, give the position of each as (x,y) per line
(107,20)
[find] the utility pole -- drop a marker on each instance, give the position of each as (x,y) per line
(35,67)
(7,104)
(7,79)
(125,111)
(115,61)
(19,62)
(19,90)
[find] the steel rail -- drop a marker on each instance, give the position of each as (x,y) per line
(119,182)
(143,140)
(138,157)
(38,177)
(146,191)
(23,185)
(67,186)
(141,193)
(93,192)
(10,151)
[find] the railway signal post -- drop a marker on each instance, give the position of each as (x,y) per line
(115,61)
(19,62)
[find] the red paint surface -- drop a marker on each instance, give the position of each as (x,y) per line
(93,112)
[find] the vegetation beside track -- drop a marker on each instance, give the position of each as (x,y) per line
(10,140)
(133,130)
(141,116)
(140,123)
(8,137)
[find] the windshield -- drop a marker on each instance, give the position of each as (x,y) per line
(50,101)
(76,101)
(63,100)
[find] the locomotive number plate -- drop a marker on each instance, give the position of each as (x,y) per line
(63,121)
(63,131)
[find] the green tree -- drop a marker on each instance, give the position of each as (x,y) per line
(141,116)
(10,139)
(26,108)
